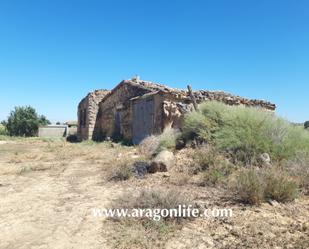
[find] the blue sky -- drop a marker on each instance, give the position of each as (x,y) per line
(53,52)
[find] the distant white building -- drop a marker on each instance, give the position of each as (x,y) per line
(53,131)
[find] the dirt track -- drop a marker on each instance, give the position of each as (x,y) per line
(51,207)
(47,191)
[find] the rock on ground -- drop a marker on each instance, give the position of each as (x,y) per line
(163,162)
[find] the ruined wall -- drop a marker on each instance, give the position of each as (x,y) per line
(110,113)
(230,99)
(156,111)
(115,117)
(170,106)
(87,113)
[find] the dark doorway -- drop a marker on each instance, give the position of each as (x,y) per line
(117,135)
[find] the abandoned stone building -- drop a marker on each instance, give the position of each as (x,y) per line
(135,109)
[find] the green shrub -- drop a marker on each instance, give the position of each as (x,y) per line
(24,121)
(194,124)
(245,132)
(204,122)
(295,141)
(3,130)
(167,140)
(154,144)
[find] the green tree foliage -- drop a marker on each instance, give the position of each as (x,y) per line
(2,128)
(24,121)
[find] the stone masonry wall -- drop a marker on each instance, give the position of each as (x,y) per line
(171,105)
(87,113)
(117,103)
(105,113)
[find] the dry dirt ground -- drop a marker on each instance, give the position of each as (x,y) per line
(48,188)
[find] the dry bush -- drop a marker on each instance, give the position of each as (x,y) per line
(206,157)
(279,186)
(149,198)
(128,233)
(185,162)
(122,170)
(249,186)
(144,233)
(149,145)
(214,167)
(217,174)
(298,168)
(167,140)
(153,145)
(254,186)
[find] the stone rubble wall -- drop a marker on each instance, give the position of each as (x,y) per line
(202,95)
(177,103)
(117,102)
(230,99)
(109,113)
(91,105)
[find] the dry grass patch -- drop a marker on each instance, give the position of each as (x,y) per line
(279,185)
(143,233)
(298,168)
(218,174)
(121,171)
(149,145)
(254,186)
(180,179)
(154,144)
(248,186)
(32,168)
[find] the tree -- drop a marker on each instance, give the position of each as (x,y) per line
(306,125)
(2,128)
(24,121)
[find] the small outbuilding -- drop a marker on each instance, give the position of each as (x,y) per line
(67,129)
(53,131)
(135,109)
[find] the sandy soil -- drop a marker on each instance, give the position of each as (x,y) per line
(47,191)
(50,207)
